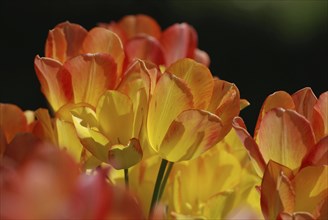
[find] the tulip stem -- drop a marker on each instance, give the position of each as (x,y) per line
(166,176)
(158,183)
(126,178)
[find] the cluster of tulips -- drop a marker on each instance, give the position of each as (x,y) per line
(139,128)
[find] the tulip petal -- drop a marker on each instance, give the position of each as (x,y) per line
(92,75)
(321,111)
(311,187)
(12,121)
(134,25)
(318,155)
(198,77)
(278,99)
(55,86)
(285,136)
(85,123)
(65,41)
(116,117)
(68,139)
(123,157)
(304,101)
(202,57)
(171,97)
(145,48)
(44,128)
(250,145)
(276,191)
(192,133)
(179,41)
(101,40)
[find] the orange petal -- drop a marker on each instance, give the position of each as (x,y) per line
(311,187)
(285,137)
(171,97)
(65,41)
(92,75)
(101,40)
(145,48)
(198,78)
(225,103)
(250,145)
(278,99)
(179,41)
(12,121)
(192,133)
(277,194)
(318,155)
(304,101)
(140,24)
(54,85)
(44,128)
(321,114)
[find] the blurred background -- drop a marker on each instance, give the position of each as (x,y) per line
(261,46)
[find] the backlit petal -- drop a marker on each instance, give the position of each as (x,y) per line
(115,115)
(65,41)
(170,98)
(321,111)
(192,133)
(285,137)
(278,99)
(92,75)
(199,79)
(55,86)
(101,40)
(318,155)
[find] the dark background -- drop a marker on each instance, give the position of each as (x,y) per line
(261,46)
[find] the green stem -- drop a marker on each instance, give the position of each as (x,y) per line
(166,176)
(126,178)
(159,179)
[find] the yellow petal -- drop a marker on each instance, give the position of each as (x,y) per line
(44,128)
(68,139)
(311,187)
(171,97)
(192,133)
(198,78)
(116,117)
(285,136)
(123,157)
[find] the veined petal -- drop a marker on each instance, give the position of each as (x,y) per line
(115,115)
(276,192)
(12,121)
(101,40)
(318,155)
(250,145)
(92,75)
(304,101)
(311,187)
(285,137)
(199,79)
(56,86)
(123,157)
(146,48)
(179,41)
(44,128)
(140,24)
(278,99)
(192,133)
(171,97)
(84,120)
(65,41)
